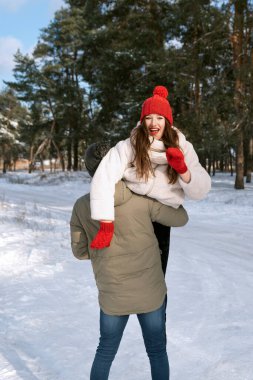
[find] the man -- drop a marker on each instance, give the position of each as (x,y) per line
(128,273)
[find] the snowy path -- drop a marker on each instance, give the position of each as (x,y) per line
(49,311)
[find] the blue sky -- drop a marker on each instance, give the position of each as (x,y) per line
(20,24)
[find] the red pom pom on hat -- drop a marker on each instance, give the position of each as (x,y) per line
(161,91)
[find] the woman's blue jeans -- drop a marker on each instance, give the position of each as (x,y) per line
(154,335)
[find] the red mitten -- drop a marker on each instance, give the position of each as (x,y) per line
(175,159)
(104,236)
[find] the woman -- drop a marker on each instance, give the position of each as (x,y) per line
(156,160)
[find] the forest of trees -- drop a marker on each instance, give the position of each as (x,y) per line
(97,61)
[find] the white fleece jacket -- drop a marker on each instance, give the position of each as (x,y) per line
(116,165)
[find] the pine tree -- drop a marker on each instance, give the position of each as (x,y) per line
(200,67)
(29,87)
(123,45)
(237,41)
(12,115)
(58,50)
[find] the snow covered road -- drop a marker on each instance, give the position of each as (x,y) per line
(49,311)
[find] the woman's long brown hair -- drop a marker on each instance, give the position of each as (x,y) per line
(141,145)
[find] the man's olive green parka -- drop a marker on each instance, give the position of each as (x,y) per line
(128,274)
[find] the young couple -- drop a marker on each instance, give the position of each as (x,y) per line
(137,190)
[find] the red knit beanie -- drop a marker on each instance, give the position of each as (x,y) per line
(158,104)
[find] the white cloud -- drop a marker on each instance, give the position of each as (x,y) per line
(12,5)
(8,47)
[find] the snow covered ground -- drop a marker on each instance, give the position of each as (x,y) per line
(49,311)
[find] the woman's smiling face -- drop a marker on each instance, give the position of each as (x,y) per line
(155,124)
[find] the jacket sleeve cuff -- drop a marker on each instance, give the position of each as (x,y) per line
(198,187)
(102,211)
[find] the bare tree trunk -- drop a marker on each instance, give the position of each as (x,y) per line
(75,152)
(62,162)
(249,161)
(250,144)
(42,164)
(209,165)
(231,163)
(31,160)
(237,43)
(59,156)
(69,155)
(50,165)
(214,166)
(239,182)
(5,165)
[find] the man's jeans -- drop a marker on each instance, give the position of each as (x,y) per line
(154,334)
